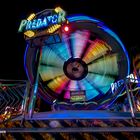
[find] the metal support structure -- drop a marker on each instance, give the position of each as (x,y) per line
(34,88)
(132,97)
(129,99)
(71,130)
(25,99)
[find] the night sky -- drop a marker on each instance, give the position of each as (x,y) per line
(122,18)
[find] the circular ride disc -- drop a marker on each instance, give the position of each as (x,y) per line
(87,60)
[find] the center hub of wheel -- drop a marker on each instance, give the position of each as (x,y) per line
(75,69)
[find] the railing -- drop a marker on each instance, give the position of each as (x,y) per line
(12,94)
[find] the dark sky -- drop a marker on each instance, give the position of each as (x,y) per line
(122,17)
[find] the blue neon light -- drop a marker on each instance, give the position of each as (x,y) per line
(81,17)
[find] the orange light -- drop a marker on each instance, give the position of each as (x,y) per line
(29,33)
(58,9)
(32,16)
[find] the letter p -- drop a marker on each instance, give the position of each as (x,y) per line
(22,25)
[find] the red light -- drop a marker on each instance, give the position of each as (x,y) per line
(66,28)
(4,87)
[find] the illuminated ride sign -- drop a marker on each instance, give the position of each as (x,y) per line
(132,79)
(50,22)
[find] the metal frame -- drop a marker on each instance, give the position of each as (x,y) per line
(71,130)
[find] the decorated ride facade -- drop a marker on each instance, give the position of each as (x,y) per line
(73,59)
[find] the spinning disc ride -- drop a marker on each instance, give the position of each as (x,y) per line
(78,64)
